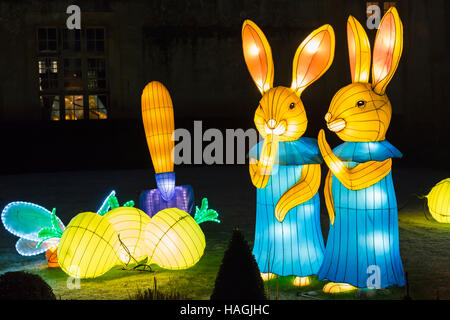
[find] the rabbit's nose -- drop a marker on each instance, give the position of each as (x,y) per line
(271,123)
(327,117)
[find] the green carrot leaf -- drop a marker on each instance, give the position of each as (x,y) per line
(46,232)
(113,202)
(204,214)
(128,204)
(43,240)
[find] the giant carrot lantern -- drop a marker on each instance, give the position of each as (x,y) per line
(362,248)
(285,167)
(157,115)
(158,118)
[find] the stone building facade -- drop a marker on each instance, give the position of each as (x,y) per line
(51,74)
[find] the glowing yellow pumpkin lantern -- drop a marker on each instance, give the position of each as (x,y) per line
(439,201)
(174,239)
(88,246)
(130,225)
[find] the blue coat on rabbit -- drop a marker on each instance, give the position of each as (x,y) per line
(362,247)
(295,245)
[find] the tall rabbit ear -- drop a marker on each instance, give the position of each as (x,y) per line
(257,55)
(313,58)
(358,51)
(387,50)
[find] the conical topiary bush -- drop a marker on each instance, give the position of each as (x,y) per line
(239,277)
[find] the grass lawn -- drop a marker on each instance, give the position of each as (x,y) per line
(424,243)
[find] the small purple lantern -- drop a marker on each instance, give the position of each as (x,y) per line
(151,201)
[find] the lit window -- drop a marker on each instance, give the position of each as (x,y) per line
(96,74)
(50,104)
(72,73)
(97,107)
(74,109)
(73,79)
(48,73)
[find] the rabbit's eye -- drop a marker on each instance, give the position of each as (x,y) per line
(361,103)
(292,106)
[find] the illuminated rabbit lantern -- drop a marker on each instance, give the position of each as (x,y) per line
(359,192)
(439,201)
(158,119)
(285,167)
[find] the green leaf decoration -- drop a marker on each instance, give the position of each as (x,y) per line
(128,204)
(204,214)
(113,202)
(45,232)
(42,241)
(50,232)
(54,219)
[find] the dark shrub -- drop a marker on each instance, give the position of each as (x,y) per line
(239,277)
(21,285)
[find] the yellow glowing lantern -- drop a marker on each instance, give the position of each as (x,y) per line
(157,115)
(361,111)
(174,239)
(130,225)
(302,281)
(88,246)
(285,167)
(439,201)
(359,190)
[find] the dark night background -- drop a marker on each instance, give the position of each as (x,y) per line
(194,48)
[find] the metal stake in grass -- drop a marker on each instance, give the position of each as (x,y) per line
(130,257)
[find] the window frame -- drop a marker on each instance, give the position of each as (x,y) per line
(60,55)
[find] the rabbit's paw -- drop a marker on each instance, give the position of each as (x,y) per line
(267,276)
(302,281)
(333,287)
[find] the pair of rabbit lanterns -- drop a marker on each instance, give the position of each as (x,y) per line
(362,248)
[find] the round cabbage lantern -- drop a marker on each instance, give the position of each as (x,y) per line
(174,239)
(88,246)
(130,225)
(439,201)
